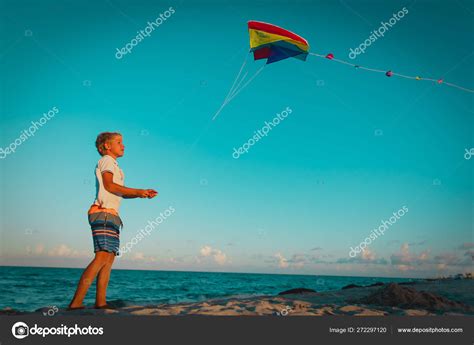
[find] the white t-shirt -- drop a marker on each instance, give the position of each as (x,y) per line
(103,198)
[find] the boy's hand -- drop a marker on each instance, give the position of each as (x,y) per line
(147,193)
(151,193)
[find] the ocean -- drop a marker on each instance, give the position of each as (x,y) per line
(31,288)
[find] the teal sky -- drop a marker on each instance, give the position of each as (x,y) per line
(301,197)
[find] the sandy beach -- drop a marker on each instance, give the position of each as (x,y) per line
(421,298)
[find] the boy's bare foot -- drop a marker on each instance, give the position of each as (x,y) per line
(76,308)
(104,306)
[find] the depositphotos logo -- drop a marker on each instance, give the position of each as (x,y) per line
(21,330)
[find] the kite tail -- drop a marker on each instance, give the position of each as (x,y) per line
(390,73)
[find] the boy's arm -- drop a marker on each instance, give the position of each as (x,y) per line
(125,192)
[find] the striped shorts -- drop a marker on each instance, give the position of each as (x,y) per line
(105,232)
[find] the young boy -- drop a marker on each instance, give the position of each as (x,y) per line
(104,218)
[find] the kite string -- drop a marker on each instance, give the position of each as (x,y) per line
(232,87)
(238,75)
(237,91)
(229,96)
(243,86)
(439,81)
(459,87)
(218,111)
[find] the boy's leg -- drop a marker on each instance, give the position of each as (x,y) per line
(88,277)
(103,281)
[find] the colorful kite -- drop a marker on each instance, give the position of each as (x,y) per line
(268,41)
(273,43)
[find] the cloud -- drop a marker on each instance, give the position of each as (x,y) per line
(39,249)
(138,256)
(206,251)
(470,253)
(466,245)
(173,260)
(64,251)
(60,251)
(447,259)
(218,255)
(298,260)
(367,257)
(282,261)
(452,259)
(406,261)
(405,268)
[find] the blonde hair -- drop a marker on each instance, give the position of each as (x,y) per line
(102,139)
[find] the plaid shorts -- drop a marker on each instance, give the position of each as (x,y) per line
(105,232)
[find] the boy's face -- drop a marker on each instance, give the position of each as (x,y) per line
(115,146)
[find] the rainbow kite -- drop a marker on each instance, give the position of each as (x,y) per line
(268,41)
(273,43)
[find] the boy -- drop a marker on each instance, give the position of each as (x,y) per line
(104,218)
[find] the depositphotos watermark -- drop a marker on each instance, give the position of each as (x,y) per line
(21,330)
(469,153)
(27,133)
(262,132)
(146,32)
(146,231)
(376,34)
(51,311)
(284,311)
(378,231)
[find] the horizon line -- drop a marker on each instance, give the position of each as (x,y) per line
(223,272)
